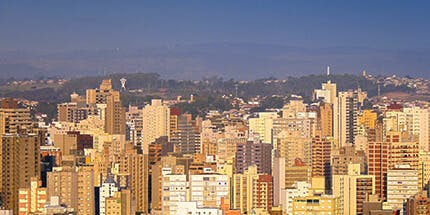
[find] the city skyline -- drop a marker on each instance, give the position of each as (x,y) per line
(214,108)
(341,152)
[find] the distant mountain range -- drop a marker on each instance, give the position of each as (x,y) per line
(238,61)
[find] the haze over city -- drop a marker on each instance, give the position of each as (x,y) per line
(193,39)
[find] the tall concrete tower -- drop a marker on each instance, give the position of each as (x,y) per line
(123,82)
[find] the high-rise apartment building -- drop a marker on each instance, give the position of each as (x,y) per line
(109,102)
(107,190)
(254,153)
(418,204)
(347,107)
(208,189)
(346,155)
(70,112)
(262,126)
(417,121)
(278,179)
(292,146)
(303,123)
(135,165)
(368,119)
(32,199)
(353,189)
(252,190)
(294,108)
(298,172)
(331,87)
(403,149)
(20,162)
(174,190)
(413,120)
(119,204)
(13,118)
(285,177)
(325,120)
(134,122)
(72,142)
(209,136)
(321,158)
(327,93)
(99,96)
(166,166)
(76,110)
(297,190)
(402,183)
(424,169)
(186,137)
(227,147)
(156,122)
(377,161)
(114,116)
(316,204)
(75,187)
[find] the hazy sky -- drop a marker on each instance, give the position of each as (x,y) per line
(76,24)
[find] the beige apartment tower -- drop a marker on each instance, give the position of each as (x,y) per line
(99,96)
(119,204)
(114,113)
(136,166)
(353,189)
(325,120)
(20,162)
(115,116)
(13,118)
(156,123)
(75,187)
(252,190)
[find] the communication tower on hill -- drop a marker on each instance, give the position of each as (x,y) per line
(123,82)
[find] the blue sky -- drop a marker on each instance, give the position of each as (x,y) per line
(76,24)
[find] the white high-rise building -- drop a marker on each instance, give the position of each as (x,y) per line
(156,122)
(134,121)
(107,189)
(414,120)
(327,93)
(208,189)
(332,88)
(352,189)
(174,191)
(205,190)
(346,120)
(402,183)
(301,189)
(262,126)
